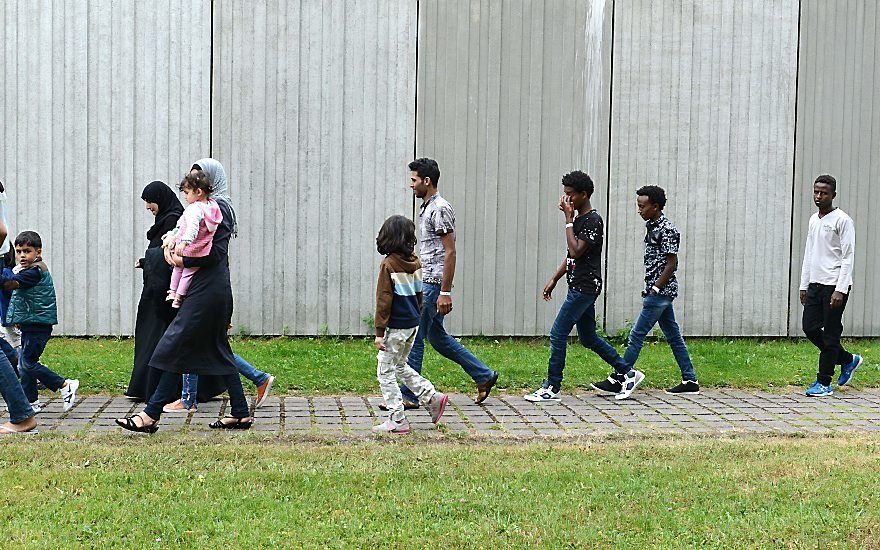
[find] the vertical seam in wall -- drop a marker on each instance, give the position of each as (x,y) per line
(416,101)
(608,173)
(797,73)
(211,90)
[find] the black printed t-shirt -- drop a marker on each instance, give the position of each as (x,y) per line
(584,274)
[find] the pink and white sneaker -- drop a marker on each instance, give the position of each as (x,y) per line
(437,405)
(392,427)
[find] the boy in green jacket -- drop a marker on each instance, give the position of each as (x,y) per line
(34,309)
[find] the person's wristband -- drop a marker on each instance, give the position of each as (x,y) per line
(444,293)
(569,224)
(655,289)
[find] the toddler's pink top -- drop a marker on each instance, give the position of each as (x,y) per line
(196,227)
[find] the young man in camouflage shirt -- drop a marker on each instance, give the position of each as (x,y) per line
(661,288)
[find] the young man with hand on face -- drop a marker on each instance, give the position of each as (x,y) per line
(584,235)
(826,280)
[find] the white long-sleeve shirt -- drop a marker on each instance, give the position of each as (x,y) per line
(830,251)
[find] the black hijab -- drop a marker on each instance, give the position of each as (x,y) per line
(169,212)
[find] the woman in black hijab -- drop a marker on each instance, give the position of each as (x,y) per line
(154,314)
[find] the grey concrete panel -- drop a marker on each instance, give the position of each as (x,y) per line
(97,100)
(314,119)
(838,133)
(511,96)
(703,105)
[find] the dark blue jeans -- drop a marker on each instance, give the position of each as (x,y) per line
(166,392)
(10,353)
(431,327)
(578,310)
(13,394)
(658,309)
(29,367)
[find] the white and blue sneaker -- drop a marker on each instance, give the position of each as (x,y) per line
(631,381)
(543,395)
(819,390)
(846,371)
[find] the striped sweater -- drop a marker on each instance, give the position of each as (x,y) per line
(398,293)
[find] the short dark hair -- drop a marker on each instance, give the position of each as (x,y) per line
(655,194)
(398,234)
(197,180)
(579,181)
(828,180)
(426,168)
(29,238)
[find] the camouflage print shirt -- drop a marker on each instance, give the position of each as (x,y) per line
(661,240)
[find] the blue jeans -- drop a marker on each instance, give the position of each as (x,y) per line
(579,310)
(658,309)
(191,381)
(166,392)
(431,327)
(32,346)
(13,394)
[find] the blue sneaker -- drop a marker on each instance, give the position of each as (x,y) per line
(846,371)
(819,390)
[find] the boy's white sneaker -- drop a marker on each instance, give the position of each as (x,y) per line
(631,381)
(68,394)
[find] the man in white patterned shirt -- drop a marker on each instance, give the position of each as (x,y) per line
(437,253)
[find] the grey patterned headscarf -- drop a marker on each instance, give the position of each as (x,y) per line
(217,175)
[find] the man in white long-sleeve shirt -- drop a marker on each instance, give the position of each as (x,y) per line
(826,280)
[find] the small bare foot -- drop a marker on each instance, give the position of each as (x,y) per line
(177,407)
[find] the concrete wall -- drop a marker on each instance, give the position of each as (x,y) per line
(314,116)
(97,100)
(315,108)
(511,96)
(703,105)
(838,133)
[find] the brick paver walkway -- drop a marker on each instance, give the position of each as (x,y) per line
(712,412)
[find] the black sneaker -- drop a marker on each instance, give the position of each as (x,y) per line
(612,384)
(691,387)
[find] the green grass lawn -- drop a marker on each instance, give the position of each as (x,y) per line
(136,492)
(348,365)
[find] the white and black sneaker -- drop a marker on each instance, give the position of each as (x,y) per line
(613,384)
(68,394)
(690,387)
(631,381)
(543,395)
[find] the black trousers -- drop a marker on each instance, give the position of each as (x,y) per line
(823,326)
(168,391)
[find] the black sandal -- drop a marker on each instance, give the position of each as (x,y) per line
(129,424)
(239,424)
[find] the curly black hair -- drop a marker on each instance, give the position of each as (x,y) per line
(655,194)
(398,234)
(197,180)
(828,180)
(579,181)
(426,168)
